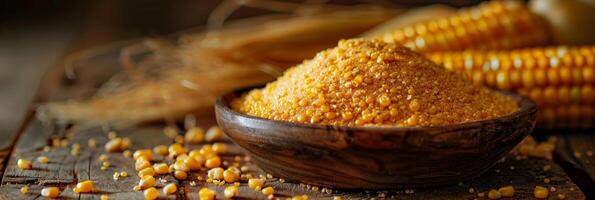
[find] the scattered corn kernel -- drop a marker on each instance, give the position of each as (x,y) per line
(123,174)
(255,183)
(50,192)
(92,143)
(220,148)
(506,191)
(103,197)
(231,191)
(141,163)
(42,159)
(145,153)
(216,173)
(268,191)
(24,164)
(117,144)
(25,189)
(146,182)
(206,194)
(231,175)
(540,192)
(151,193)
(176,149)
(103,157)
(337,198)
(116,176)
(127,154)
(494,194)
(161,168)
(105,164)
(214,134)
(160,150)
(192,163)
(84,187)
(180,175)
(213,162)
(195,135)
(146,171)
(170,188)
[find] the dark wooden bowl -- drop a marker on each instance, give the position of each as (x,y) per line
(375,157)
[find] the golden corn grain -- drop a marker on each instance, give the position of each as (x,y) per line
(494,194)
(146,182)
(151,193)
(103,197)
(493,25)
(220,148)
(176,149)
(195,135)
(180,175)
(42,159)
(231,191)
(23,164)
(146,171)
(216,173)
(540,192)
(145,153)
(170,188)
(161,168)
(84,187)
(213,162)
(161,150)
(206,194)
(268,191)
(24,189)
(141,163)
(50,192)
(506,191)
(231,175)
(255,183)
(214,134)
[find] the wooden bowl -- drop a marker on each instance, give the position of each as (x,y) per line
(375,157)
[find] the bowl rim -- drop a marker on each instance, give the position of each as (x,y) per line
(526,106)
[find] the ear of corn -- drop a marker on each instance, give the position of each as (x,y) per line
(559,79)
(493,25)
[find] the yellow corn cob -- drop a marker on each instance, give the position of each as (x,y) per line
(559,79)
(493,25)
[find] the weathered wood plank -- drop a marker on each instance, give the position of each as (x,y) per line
(575,153)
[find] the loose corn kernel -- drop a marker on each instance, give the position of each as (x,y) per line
(170,131)
(105,164)
(176,149)
(103,197)
(214,134)
(195,135)
(145,153)
(255,183)
(231,174)
(213,162)
(124,174)
(50,192)
(92,143)
(161,168)
(216,173)
(146,171)
(161,150)
(141,163)
(23,164)
(146,182)
(494,194)
(337,198)
(268,191)
(103,157)
(84,187)
(206,194)
(200,159)
(42,159)
(170,188)
(179,165)
(181,175)
(116,176)
(127,154)
(25,189)
(220,148)
(506,191)
(192,163)
(231,191)
(117,144)
(151,193)
(540,192)
(302,197)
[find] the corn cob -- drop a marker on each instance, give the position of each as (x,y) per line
(493,25)
(559,79)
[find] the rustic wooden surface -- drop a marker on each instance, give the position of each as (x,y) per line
(65,170)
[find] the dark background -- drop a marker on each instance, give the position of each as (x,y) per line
(36,34)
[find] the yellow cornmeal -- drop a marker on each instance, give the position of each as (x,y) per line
(362,82)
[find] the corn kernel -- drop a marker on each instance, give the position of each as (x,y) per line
(220,148)
(176,149)
(255,183)
(216,173)
(146,182)
(231,191)
(206,194)
(92,143)
(506,191)
(146,171)
(214,134)
(42,159)
(192,163)
(268,191)
(179,165)
(494,194)
(124,174)
(141,163)
(145,153)
(151,193)
(117,144)
(181,175)
(231,175)
(50,192)
(213,162)
(127,154)
(540,192)
(161,150)
(195,135)
(161,168)
(337,198)
(103,197)
(103,157)
(170,188)
(84,187)
(23,164)
(105,164)
(25,189)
